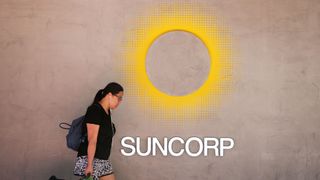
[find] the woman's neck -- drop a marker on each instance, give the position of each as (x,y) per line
(105,106)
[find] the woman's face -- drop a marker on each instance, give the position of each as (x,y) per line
(115,100)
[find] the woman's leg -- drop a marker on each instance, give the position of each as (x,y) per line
(108,177)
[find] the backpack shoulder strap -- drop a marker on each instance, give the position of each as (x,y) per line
(64,125)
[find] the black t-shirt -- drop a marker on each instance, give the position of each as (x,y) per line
(97,115)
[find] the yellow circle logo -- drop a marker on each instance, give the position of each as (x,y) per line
(165,18)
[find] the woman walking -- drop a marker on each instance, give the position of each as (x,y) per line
(94,152)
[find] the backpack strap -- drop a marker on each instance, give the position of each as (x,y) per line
(67,126)
(64,125)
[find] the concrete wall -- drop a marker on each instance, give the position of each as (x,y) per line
(55,55)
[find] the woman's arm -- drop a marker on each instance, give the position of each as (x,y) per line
(93,130)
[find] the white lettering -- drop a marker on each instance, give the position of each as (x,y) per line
(170,146)
(123,143)
(218,146)
(188,146)
(222,145)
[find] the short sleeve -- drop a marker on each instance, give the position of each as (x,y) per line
(93,115)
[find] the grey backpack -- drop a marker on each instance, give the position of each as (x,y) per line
(74,136)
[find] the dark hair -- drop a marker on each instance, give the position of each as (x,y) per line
(113,87)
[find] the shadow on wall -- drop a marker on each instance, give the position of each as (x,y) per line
(53,177)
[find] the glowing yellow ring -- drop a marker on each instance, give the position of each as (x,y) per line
(214,38)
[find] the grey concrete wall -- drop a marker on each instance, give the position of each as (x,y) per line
(55,55)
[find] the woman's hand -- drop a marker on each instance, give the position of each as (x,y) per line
(89,170)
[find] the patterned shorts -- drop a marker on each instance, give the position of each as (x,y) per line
(100,167)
